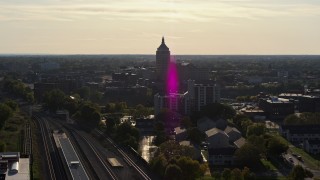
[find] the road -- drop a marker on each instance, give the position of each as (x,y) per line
(295,161)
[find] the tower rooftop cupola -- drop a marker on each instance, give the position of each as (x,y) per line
(163,46)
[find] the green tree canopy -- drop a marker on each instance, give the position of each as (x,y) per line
(275,146)
(215,110)
(298,173)
(173,172)
(12,104)
(127,135)
(5,113)
(195,135)
(54,99)
(88,115)
(303,118)
(191,169)
(248,155)
(256,129)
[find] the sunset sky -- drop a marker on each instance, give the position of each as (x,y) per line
(136,26)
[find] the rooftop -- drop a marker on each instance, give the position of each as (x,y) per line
(23,171)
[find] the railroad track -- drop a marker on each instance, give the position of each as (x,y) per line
(126,157)
(27,147)
(45,140)
(106,166)
(55,153)
(75,135)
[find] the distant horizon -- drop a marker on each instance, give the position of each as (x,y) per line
(44,54)
(229,27)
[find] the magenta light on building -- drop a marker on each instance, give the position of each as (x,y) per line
(172,77)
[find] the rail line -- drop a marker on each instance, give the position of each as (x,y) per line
(109,170)
(55,154)
(47,152)
(126,157)
(27,147)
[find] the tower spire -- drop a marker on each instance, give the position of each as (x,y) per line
(163,40)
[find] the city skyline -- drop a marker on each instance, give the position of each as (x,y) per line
(135,27)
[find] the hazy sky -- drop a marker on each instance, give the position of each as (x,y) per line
(136,26)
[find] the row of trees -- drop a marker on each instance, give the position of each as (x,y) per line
(302,119)
(173,161)
(85,112)
(6,111)
(235,174)
(18,89)
(88,114)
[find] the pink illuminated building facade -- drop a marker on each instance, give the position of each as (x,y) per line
(197,96)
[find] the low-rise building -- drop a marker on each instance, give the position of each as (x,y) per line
(312,146)
(222,156)
(223,144)
(180,134)
(13,167)
(297,134)
(276,108)
(309,104)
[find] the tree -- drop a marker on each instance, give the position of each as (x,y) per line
(127,135)
(72,105)
(88,115)
(5,113)
(95,96)
(246,174)
(298,173)
(292,119)
(142,111)
(173,172)
(275,146)
(217,110)
(171,149)
(244,126)
(186,122)
(120,106)
(191,169)
(258,142)
(54,99)
(216,175)
(226,174)
(110,108)
(84,92)
(12,104)
(236,174)
(248,155)
(195,135)
(256,129)
(3,147)
(158,164)
(237,119)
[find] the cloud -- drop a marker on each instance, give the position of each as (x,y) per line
(156,10)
